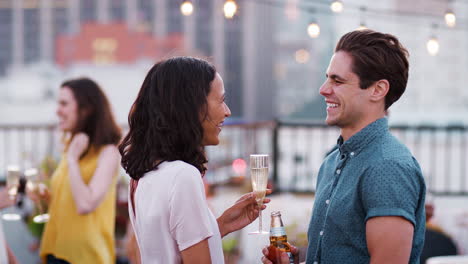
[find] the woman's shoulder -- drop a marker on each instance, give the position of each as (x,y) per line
(177,170)
(109,148)
(182,168)
(106,150)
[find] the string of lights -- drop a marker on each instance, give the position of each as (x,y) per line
(338,7)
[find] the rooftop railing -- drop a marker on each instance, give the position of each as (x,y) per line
(297,150)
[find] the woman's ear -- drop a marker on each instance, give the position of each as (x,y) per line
(85,112)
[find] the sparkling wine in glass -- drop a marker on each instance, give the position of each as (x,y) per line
(13,181)
(259,176)
(35,185)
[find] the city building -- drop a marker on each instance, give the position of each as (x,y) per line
(271,67)
(70,36)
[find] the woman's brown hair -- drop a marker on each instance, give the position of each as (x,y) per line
(95,117)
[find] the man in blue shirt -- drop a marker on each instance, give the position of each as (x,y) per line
(369,203)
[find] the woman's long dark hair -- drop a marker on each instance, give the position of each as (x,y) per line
(95,117)
(164,120)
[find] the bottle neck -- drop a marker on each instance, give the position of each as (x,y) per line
(276,221)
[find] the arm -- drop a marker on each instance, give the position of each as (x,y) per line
(131,247)
(88,197)
(197,254)
(389,239)
(11,257)
(5,200)
(392,196)
(242,213)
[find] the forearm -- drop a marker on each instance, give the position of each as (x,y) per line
(82,194)
(11,257)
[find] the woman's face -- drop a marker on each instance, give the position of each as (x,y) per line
(217,111)
(67,110)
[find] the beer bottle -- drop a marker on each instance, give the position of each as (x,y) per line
(278,239)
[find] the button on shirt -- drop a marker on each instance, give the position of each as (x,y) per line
(371,174)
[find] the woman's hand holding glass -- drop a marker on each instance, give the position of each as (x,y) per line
(38,192)
(241,214)
(5,200)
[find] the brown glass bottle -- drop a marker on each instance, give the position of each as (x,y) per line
(278,239)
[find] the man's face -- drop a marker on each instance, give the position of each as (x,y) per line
(346,101)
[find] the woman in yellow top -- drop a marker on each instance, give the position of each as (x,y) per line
(83,187)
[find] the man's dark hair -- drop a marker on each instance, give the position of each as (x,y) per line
(377,56)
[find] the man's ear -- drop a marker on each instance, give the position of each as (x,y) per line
(379,90)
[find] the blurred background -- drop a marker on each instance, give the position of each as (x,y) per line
(272,55)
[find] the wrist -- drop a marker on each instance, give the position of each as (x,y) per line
(72,160)
(221,226)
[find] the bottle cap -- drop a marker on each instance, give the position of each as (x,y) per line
(276,213)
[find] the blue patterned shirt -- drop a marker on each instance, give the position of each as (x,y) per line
(371,174)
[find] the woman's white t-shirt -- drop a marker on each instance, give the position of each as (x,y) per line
(171,214)
(3,250)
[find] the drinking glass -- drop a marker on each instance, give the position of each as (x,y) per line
(36,186)
(259,177)
(13,184)
(13,181)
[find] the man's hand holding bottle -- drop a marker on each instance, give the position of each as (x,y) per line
(272,255)
(279,251)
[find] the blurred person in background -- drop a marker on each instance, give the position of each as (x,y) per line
(83,187)
(437,242)
(369,202)
(6,255)
(179,110)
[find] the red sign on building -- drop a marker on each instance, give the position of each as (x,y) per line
(113,43)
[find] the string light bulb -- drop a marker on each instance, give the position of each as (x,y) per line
(432,46)
(302,56)
(313,30)
(186,8)
(230,9)
(362,26)
(291,11)
(337,6)
(450,18)
(362,13)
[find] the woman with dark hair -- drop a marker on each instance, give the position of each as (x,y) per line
(83,187)
(180,109)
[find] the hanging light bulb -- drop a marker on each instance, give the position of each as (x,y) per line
(302,56)
(313,30)
(230,9)
(186,8)
(337,6)
(432,46)
(291,11)
(450,18)
(362,13)
(362,26)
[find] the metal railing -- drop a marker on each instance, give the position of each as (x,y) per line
(297,150)
(22,145)
(442,152)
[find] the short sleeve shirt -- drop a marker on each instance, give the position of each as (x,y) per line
(371,174)
(171,214)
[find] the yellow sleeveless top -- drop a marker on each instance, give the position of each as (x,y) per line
(79,238)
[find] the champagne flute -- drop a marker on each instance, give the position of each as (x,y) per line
(259,177)
(35,185)
(13,183)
